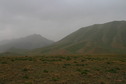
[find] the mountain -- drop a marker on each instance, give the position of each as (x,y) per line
(107,38)
(25,43)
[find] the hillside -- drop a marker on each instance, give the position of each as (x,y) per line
(25,43)
(107,38)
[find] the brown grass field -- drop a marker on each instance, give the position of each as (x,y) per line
(67,69)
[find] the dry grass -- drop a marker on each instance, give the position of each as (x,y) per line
(67,69)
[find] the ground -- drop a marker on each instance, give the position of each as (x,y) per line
(63,69)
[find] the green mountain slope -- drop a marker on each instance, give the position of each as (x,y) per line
(108,38)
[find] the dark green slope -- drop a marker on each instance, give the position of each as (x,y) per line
(108,38)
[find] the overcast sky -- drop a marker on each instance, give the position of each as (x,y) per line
(55,19)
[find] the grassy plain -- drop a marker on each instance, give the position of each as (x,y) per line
(63,69)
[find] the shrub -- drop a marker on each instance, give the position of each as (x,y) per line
(25,70)
(80,64)
(45,71)
(112,70)
(3,62)
(55,79)
(25,77)
(67,64)
(68,58)
(84,72)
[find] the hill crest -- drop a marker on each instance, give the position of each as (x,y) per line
(28,42)
(107,38)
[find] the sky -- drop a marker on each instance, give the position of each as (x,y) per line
(55,19)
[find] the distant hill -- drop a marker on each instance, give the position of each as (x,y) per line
(108,38)
(25,43)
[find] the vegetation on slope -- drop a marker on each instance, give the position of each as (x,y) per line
(108,38)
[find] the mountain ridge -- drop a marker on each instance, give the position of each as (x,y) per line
(29,42)
(107,38)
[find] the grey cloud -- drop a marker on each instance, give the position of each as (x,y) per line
(55,19)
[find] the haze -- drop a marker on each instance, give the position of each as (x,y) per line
(55,19)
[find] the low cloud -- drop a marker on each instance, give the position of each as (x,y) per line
(54,19)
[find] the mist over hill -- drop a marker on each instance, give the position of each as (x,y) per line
(107,38)
(26,43)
